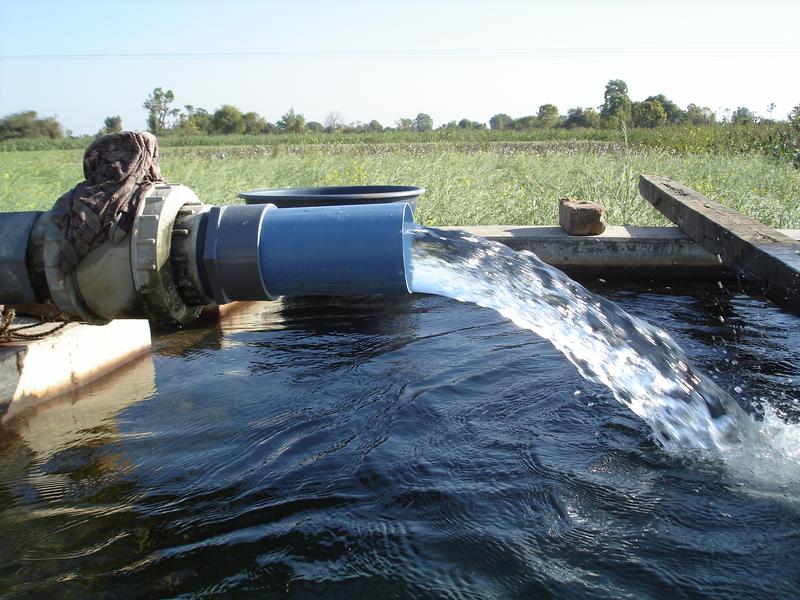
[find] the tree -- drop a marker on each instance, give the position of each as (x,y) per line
(770,109)
(228,119)
(794,115)
(292,122)
(157,105)
(315,127)
(649,113)
(525,123)
(27,124)
(789,140)
(202,120)
(184,119)
(743,116)
(374,126)
(111,125)
(582,117)
(423,122)
(548,115)
(254,122)
(674,112)
(500,121)
(699,115)
(405,124)
(616,107)
(334,122)
(467,124)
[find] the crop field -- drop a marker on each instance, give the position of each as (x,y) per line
(467,183)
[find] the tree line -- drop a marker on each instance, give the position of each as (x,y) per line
(617,110)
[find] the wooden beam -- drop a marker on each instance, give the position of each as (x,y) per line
(764,257)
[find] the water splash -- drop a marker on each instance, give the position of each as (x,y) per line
(642,366)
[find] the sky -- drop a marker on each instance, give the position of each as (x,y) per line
(82,61)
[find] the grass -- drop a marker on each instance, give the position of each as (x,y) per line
(468,183)
(720,138)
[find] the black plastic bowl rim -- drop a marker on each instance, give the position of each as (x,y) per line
(332,195)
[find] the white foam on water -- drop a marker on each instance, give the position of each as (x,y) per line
(768,461)
(642,366)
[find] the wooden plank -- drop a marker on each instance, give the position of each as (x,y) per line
(764,257)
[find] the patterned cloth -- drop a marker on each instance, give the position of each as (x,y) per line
(120,168)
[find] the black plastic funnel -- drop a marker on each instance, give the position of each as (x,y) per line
(335,195)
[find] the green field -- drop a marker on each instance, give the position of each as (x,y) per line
(467,182)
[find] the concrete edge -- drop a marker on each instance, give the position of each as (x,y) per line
(616,232)
(629,251)
(36,370)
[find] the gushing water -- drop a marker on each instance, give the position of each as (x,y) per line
(639,363)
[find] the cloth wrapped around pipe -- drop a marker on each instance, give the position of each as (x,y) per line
(119,170)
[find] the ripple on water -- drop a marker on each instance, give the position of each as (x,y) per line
(422,449)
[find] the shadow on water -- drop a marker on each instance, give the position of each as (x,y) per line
(353,330)
(375,448)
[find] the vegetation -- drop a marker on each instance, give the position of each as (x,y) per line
(780,140)
(616,108)
(111,125)
(28,125)
(467,183)
(649,113)
(511,172)
(292,122)
(655,122)
(157,105)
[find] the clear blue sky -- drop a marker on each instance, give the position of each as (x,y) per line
(84,60)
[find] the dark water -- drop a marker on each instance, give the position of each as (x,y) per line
(413,448)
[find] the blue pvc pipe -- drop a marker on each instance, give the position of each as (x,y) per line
(258,252)
(334,250)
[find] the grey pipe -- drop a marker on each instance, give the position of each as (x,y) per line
(182,255)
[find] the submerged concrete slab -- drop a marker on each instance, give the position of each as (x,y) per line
(764,257)
(61,421)
(36,370)
(650,252)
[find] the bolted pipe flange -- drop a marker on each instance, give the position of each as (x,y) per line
(151,263)
(188,234)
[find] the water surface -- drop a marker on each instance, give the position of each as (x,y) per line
(413,448)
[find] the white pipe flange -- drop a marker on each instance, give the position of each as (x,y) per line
(151,241)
